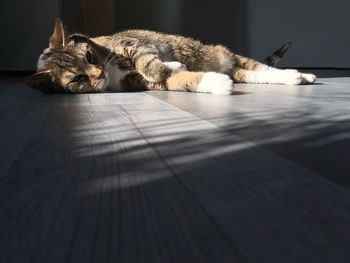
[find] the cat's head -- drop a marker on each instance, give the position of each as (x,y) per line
(66,66)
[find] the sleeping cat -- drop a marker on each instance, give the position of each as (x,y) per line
(141,60)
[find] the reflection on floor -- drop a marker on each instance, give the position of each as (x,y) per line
(260,176)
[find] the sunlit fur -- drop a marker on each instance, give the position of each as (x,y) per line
(68,62)
(135,60)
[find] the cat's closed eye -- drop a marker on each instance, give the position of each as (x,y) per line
(88,57)
(78,78)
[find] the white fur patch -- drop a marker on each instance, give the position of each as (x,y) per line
(266,74)
(215,83)
(289,77)
(277,76)
(291,70)
(41,61)
(263,67)
(114,77)
(308,78)
(175,66)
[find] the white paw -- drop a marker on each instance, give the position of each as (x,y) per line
(308,78)
(175,66)
(291,77)
(215,83)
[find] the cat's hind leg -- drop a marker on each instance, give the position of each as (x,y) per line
(267,76)
(247,70)
(251,71)
(307,78)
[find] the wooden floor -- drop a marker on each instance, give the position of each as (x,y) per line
(262,176)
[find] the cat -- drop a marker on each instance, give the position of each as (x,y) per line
(141,60)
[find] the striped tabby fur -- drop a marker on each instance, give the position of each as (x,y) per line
(141,59)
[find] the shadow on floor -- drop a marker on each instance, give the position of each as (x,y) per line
(100,182)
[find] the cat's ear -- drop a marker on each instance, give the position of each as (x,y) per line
(41,81)
(57,39)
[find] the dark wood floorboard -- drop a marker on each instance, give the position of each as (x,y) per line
(175,177)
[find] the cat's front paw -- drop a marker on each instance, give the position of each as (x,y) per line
(215,83)
(158,73)
(175,66)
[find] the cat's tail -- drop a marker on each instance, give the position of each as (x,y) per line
(276,56)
